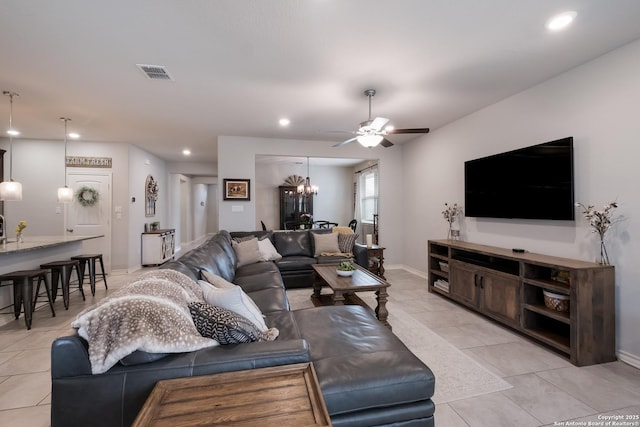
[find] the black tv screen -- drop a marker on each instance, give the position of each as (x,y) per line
(529,183)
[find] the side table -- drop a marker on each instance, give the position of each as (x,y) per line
(376,259)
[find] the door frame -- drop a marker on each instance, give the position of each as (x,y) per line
(107,200)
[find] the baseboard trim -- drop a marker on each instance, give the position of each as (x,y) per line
(629,359)
(408,269)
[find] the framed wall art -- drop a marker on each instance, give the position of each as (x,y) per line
(237,189)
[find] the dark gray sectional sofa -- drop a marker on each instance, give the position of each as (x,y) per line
(367,375)
(298,254)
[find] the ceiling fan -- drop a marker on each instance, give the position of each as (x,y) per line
(373,131)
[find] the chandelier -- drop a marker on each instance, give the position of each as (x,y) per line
(307,189)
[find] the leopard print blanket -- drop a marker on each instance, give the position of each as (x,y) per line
(150,314)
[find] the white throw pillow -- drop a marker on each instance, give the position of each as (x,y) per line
(247,251)
(268,251)
(215,280)
(325,243)
(233,299)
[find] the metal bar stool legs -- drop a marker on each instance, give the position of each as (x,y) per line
(47,289)
(90,260)
(62,270)
(23,291)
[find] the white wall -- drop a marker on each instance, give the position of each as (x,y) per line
(141,164)
(199,209)
(334,201)
(597,104)
(236,159)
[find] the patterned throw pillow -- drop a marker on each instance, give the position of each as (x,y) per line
(346,242)
(225,326)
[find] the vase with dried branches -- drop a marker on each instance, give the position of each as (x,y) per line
(600,221)
(451,213)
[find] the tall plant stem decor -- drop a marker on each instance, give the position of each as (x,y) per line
(600,221)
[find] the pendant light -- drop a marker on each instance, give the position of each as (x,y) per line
(307,189)
(11,190)
(65,194)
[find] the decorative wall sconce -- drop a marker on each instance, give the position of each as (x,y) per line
(151,196)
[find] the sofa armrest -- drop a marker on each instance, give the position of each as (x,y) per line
(69,357)
(360,255)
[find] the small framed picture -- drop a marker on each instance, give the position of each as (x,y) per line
(237,189)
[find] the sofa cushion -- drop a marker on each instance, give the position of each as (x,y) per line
(225,326)
(215,280)
(296,263)
(382,371)
(267,251)
(233,299)
(293,243)
(247,252)
(325,243)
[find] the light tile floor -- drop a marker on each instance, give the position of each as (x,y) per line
(547,390)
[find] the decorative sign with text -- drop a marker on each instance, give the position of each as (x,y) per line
(88,162)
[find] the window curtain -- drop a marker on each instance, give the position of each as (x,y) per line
(356,214)
(367,190)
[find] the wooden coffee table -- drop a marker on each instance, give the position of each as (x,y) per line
(345,288)
(279,396)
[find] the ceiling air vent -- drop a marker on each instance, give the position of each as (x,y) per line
(155,72)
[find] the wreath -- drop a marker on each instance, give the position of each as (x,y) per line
(87,196)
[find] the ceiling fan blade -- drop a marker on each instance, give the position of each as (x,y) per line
(345,142)
(379,122)
(386,143)
(417,130)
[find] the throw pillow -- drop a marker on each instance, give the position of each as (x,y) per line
(247,252)
(325,243)
(225,326)
(346,242)
(215,280)
(268,251)
(233,299)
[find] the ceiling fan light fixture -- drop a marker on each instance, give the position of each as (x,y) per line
(370,140)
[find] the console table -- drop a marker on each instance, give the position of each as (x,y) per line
(508,287)
(158,246)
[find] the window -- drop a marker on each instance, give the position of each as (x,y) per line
(368,194)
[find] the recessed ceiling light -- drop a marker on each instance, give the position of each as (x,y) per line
(13,132)
(186,152)
(561,21)
(284,122)
(73,135)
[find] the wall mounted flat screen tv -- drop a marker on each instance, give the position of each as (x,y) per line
(529,183)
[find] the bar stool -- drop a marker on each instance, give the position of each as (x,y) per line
(23,291)
(61,271)
(90,259)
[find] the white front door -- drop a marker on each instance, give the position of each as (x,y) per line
(91,218)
